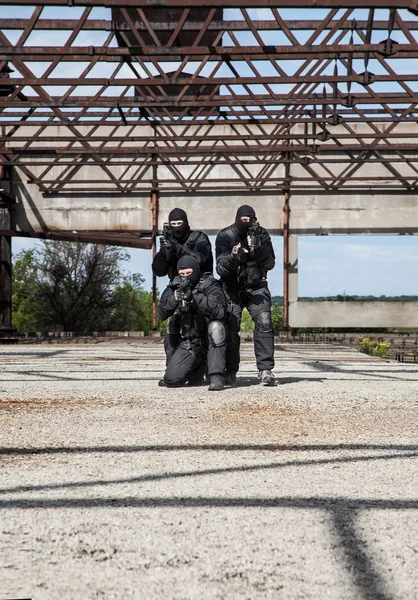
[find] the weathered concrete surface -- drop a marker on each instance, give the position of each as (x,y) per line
(312,213)
(112,487)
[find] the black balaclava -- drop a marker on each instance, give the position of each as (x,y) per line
(244,211)
(178,214)
(189,262)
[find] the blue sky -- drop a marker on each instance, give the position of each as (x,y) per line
(327,265)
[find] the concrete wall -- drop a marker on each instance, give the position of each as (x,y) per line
(310,213)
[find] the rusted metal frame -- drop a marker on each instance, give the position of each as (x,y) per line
(412,147)
(405,27)
(283,26)
(244,81)
(308,188)
(246,87)
(195,75)
(203,63)
(360,98)
(272,183)
(267,170)
(107,25)
(140,170)
(179,27)
(234,167)
(205,26)
(206,169)
(320,179)
(219,121)
(312,178)
(92,63)
(147,26)
(27,30)
(87,70)
(255,160)
(241,165)
(395,173)
(253,68)
(315,57)
(65,177)
(196,176)
(376,130)
(369,147)
(109,238)
(25,70)
(120,54)
(143,45)
(411,4)
(138,59)
(384,105)
(252,27)
(321,65)
(172,168)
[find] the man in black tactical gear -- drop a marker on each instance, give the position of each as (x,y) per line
(244,254)
(179,240)
(199,301)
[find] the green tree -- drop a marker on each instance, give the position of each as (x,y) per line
(133,306)
(69,286)
(25,307)
(276,318)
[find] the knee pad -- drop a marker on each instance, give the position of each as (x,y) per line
(217,333)
(263,322)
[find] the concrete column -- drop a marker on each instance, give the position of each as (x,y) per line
(5,272)
(293,268)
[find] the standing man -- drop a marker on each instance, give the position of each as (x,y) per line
(179,240)
(199,301)
(244,254)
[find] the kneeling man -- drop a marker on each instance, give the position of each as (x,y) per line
(199,301)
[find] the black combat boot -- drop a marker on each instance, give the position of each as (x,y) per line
(230,377)
(216,383)
(267,377)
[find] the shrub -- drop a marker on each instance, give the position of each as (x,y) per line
(374,347)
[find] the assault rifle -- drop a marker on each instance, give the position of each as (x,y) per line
(187,318)
(254,233)
(167,240)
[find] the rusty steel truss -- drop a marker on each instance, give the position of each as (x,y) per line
(185,95)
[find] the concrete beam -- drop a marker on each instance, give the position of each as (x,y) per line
(354,314)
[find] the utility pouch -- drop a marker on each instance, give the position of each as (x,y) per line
(254,274)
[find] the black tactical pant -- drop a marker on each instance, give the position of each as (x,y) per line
(187,360)
(257,300)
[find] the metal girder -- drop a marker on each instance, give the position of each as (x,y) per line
(226,3)
(110,238)
(174,88)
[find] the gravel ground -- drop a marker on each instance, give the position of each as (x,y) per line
(114,488)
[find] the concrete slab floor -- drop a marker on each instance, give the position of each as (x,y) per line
(112,487)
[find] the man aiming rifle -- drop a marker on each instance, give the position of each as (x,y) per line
(244,255)
(197,299)
(179,240)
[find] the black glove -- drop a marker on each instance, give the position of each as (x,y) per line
(238,251)
(177,248)
(182,295)
(165,247)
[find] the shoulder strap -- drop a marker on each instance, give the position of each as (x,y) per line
(192,238)
(230,234)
